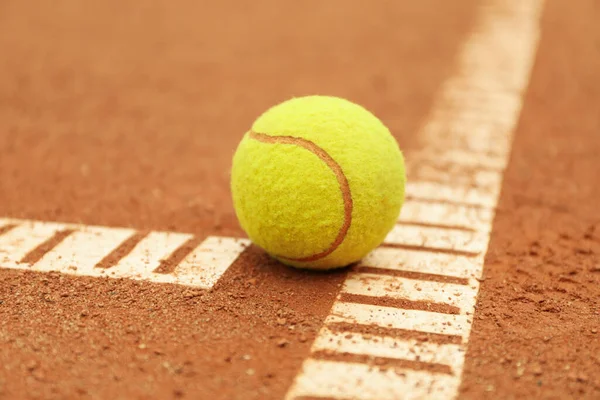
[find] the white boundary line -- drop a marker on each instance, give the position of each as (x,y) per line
(80,252)
(443,230)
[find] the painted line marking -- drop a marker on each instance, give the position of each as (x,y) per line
(396,318)
(341,380)
(462,158)
(80,252)
(447,239)
(450,207)
(389,347)
(5,226)
(447,214)
(146,256)
(469,196)
(208,262)
(421,262)
(461,296)
(22,239)
(451,174)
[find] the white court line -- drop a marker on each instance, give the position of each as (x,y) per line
(19,241)
(397,318)
(147,255)
(389,347)
(460,157)
(204,266)
(465,195)
(456,266)
(374,285)
(80,252)
(455,174)
(466,145)
(438,238)
(449,215)
(354,381)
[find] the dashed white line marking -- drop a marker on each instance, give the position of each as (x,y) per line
(147,255)
(355,381)
(450,215)
(397,318)
(455,174)
(437,238)
(389,347)
(19,241)
(460,296)
(443,230)
(461,157)
(424,262)
(205,265)
(80,252)
(472,196)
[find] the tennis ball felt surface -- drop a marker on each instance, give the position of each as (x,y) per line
(318,182)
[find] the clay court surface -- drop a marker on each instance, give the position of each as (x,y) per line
(118,122)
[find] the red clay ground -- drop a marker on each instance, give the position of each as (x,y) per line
(128,114)
(537,328)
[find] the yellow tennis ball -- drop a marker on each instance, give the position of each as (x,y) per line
(318,182)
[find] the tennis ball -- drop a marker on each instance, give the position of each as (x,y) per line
(317,182)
